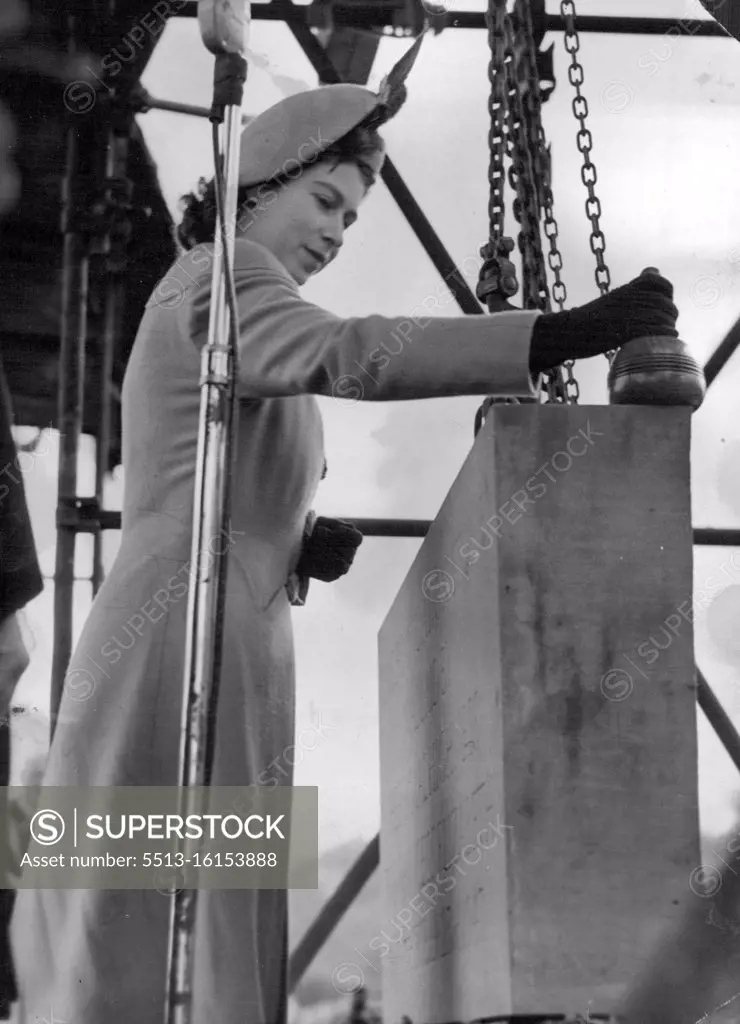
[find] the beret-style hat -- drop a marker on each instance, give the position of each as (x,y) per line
(298,129)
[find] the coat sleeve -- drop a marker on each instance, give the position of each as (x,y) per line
(289,346)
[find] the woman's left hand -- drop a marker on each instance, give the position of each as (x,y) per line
(329,551)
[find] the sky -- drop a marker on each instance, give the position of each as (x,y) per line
(665,118)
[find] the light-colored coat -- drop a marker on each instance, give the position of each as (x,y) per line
(97,957)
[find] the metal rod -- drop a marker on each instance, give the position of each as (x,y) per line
(332,912)
(409,528)
(114,298)
(640,26)
(722,354)
(405,528)
(377,15)
(71,384)
(206,595)
(718,718)
(73,333)
(717,538)
(435,250)
(143,102)
(149,103)
(116,162)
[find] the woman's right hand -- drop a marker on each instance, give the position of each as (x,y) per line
(642,307)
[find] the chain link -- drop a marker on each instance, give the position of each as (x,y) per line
(497,281)
(522,175)
(543,166)
(584,140)
(516,131)
(496,22)
(554,258)
(557,388)
(522,17)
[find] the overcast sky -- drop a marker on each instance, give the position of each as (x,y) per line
(665,117)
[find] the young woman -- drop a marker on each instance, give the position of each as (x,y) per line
(306,166)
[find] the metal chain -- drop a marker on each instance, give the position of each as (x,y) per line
(516,148)
(584,141)
(516,131)
(522,16)
(558,388)
(497,282)
(496,22)
(522,179)
(555,262)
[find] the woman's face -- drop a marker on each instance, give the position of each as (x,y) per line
(303,222)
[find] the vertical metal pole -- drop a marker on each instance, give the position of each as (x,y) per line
(115,169)
(71,394)
(216,447)
(113,305)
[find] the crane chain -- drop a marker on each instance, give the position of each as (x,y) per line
(497,279)
(584,140)
(522,180)
(496,23)
(527,174)
(557,388)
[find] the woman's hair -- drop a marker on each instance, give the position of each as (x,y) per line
(198,223)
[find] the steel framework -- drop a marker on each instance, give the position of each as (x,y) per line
(76,515)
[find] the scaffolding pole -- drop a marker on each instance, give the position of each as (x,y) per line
(374,15)
(113,270)
(73,335)
(332,913)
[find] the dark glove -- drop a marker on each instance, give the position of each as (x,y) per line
(329,550)
(642,307)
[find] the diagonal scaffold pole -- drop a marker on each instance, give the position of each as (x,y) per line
(718,718)
(332,912)
(722,354)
